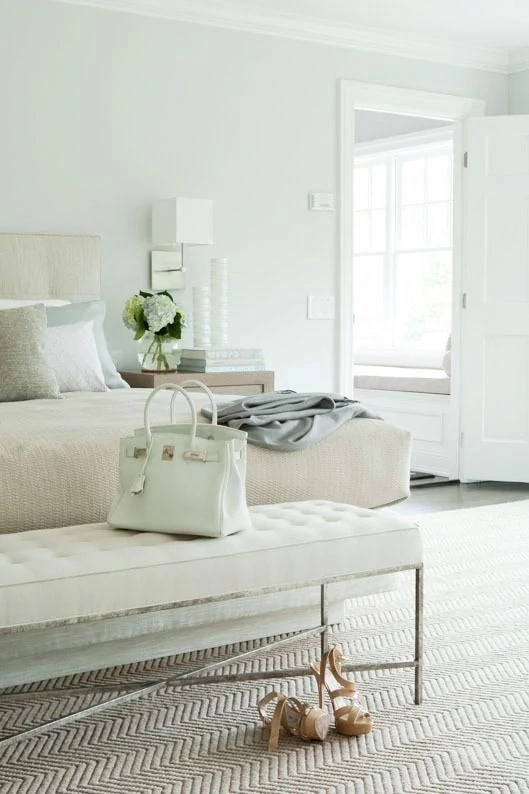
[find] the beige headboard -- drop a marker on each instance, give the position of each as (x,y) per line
(50,266)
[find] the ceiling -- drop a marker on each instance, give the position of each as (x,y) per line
(489,34)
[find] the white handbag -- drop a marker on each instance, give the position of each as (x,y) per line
(186,479)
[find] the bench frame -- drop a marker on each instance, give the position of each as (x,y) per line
(135,690)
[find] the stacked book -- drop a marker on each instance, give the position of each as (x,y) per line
(231,359)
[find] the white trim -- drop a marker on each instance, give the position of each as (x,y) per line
(410,139)
(233,15)
(372,96)
(345,216)
(409,102)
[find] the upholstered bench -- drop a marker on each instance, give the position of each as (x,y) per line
(69,575)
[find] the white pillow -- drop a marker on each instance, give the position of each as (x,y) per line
(7,303)
(71,352)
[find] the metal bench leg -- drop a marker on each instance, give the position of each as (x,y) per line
(324,619)
(419,605)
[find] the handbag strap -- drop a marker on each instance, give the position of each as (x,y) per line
(176,389)
(138,485)
(204,388)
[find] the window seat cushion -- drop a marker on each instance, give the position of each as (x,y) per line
(427,381)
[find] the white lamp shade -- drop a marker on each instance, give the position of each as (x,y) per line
(182,220)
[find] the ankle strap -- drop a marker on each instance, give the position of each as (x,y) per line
(334,659)
(274,723)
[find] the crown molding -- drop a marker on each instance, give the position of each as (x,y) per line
(232,15)
(519,60)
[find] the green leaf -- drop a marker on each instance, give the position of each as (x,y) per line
(175,328)
(145,294)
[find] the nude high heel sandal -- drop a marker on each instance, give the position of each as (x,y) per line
(308,722)
(350,715)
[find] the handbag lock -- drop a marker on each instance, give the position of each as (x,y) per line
(194,454)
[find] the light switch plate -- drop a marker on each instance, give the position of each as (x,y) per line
(322,202)
(320,307)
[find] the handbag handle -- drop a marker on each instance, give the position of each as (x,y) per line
(204,388)
(176,389)
(138,485)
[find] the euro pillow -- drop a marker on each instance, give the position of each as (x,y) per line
(24,372)
(71,352)
(84,312)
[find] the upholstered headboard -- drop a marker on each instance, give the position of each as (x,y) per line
(42,266)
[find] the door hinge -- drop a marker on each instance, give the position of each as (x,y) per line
(461,438)
(464,300)
(465,160)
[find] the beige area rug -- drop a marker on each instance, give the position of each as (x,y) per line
(471,735)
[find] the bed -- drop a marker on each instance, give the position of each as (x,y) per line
(58,458)
(58,467)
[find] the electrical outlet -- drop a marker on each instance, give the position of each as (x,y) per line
(320,307)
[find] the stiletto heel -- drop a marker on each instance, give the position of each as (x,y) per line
(350,719)
(300,719)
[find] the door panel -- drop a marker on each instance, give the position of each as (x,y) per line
(495,322)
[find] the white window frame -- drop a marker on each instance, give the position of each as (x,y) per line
(380,151)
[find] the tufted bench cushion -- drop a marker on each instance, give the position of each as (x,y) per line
(90,570)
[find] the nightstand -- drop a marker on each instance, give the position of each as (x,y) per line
(221,382)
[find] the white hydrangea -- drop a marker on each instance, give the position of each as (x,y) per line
(132,312)
(159,311)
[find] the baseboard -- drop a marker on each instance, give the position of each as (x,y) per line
(432,480)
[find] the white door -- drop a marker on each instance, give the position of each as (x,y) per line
(495,280)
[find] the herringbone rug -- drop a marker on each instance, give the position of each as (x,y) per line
(471,735)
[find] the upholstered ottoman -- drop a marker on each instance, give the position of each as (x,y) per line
(53,577)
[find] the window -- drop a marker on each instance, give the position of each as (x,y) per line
(403,252)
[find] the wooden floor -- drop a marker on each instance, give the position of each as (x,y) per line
(454,495)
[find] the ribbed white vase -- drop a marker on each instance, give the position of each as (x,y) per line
(201,317)
(219,302)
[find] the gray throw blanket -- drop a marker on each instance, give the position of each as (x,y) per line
(289,420)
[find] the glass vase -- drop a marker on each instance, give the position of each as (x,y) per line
(158,353)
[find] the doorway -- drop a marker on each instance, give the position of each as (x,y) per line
(400,254)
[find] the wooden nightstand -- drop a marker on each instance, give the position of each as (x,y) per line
(221,382)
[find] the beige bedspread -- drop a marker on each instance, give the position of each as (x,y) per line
(59,460)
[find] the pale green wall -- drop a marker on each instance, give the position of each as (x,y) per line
(103,112)
(519,92)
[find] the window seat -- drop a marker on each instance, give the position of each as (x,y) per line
(411,379)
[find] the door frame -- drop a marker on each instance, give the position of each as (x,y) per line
(445,107)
